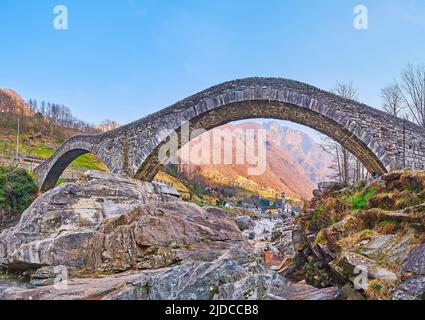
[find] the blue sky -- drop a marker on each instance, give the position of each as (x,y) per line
(123,60)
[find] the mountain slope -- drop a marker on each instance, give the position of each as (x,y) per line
(294,162)
(11,102)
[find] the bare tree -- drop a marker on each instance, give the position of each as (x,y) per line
(334,149)
(411,88)
(392,101)
(345,166)
(345,90)
(108,125)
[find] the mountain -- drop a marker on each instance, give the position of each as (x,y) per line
(294,164)
(11,102)
(303,148)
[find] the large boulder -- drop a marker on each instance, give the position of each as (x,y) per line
(111,223)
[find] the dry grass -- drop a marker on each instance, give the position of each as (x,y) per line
(370,218)
(330,239)
(385,200)
(389,227)
(413,181)
(348,243)
(379,289)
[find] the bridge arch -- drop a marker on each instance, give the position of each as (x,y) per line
(368,155)
(376,138)
(64,156)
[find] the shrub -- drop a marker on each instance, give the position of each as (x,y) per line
(360,200)
(17,189)
(220,203)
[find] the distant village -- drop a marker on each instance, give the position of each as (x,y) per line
(259,205)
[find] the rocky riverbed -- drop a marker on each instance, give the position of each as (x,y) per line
(109,237)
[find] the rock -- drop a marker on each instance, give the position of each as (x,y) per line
(313,247)
(284,244)
(347,264)
(415,263)
(200,280)
(330,187)
(413,215)
(411,289)
(112,223)
(244,223)
(45,273)
(317,193)
(343,191)
(248,288)
(230,276)
(377,246)
(399,251)
(387,248)
(298,239)
(167,190)
(299,259)
(344,228)
(282,289)
(393,175)
(349,293)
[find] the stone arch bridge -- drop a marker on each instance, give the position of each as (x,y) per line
(380,141)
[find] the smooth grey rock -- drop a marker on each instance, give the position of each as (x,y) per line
(411,289)
(112,223)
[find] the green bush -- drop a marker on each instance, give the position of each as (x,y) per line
(359,200)
(220,203)
(17,189)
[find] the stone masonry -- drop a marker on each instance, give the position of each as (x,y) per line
(380,141)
